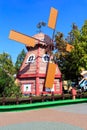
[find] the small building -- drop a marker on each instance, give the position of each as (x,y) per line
(32,73)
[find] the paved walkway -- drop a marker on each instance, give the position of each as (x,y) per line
(70,117)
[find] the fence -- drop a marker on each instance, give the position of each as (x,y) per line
(42,98)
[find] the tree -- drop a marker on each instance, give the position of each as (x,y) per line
(60,53)
(7,70)
(20,59)
(4,80)
(7,85)
(79,53)
(73,61)
(6,63)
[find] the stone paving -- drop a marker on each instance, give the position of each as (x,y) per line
(70,117)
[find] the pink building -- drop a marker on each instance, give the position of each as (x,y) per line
(32,73)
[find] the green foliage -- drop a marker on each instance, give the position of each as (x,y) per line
(7,70)
(3,79)
(12,90)
(7,64)
(7,85)
(20,59)
(79,53)
(60,42)
(71,62)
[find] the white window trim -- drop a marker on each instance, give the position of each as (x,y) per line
(29,57)
(44,56)
(28,86)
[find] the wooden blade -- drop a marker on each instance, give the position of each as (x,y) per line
(69,47)
(53,18)
(19,37)
(50,75)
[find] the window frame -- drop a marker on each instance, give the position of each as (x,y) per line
(44,59)
(32,61)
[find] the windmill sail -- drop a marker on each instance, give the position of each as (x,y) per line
(52,18)
(51,70)
(69,47)
(50,75)
(19,37)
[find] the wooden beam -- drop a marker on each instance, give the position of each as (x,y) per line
(19,37)
(52,18)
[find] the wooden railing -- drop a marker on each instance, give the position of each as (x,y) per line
(42,98)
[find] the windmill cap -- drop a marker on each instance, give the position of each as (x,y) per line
(43,37)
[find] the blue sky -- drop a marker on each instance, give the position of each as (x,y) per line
(23,16)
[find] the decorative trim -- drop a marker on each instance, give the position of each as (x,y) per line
(45,58)
(22,89)
(31,58)
(35,75)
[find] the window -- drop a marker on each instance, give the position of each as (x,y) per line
(31,58)
(45,58)
(27,87)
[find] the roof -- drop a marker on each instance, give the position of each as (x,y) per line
(43,37)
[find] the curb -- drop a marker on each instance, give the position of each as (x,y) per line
(20,107)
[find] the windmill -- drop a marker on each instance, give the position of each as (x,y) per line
(31,42)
